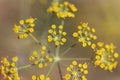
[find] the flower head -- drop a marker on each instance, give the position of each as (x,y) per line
(106,56)
(62,10)
(41,59)
(85,34)
(76,71)
(8,69)
(24,27)
(56,35)
(40,77)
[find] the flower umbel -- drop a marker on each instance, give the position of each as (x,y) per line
(9,69)
(52,57)
(41,59)
(106,56)
(57,36)
(85,34)
(24,27)
(62,10)
(76,71)
(41,77)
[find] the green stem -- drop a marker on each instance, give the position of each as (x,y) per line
(62,23)
(57,50)
(26,66)
(59,70)
(51,67)
(69,59)
(73,45)
(34,38)
(58,47)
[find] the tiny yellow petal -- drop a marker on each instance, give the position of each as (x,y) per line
(34,77)
(21,22)
(85,71)
(15,59)
(116,55)
(43,47)
(75,34)
(40,65)
(74,63)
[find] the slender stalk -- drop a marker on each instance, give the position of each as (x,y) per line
(69,59)
(57,50)
(73,45)
(26,66)
(51,67)
(60,72)
(34,38)
(62,23)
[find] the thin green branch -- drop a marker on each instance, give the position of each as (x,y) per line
(57,50)
(73,45)
(58,47)
(62,23)
(51,67)
(60,72)
(69,59)
(26,66)
(34,38)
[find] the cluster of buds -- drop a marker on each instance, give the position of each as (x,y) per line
(76,71)
(24,27)
(8,69)
(41,59)
(106,56)
(57,36)
(85,34)
(62,10)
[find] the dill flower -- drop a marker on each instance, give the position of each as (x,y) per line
(85,34)
(56,35)
(41,59)
(40,77)
(62,10)
(24,27)
(106,56)
(76,71)
(9,69)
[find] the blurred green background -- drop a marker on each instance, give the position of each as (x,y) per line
(103,15)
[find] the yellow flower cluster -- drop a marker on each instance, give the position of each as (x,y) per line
(57,36)
(76,71)
(41,77)
(85,34)
(106,56)
(8,69)
(62,10)
(42,58)
(24,27)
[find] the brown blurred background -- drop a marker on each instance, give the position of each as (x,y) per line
(103,15)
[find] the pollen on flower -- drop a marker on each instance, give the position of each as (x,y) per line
(34,77)
(57,35)
(62,10)
(41,59)
(74,63)
(15,59)
(85,35)
(93,46)
(76,71)
(106,58)
(9,69)
(24,28)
